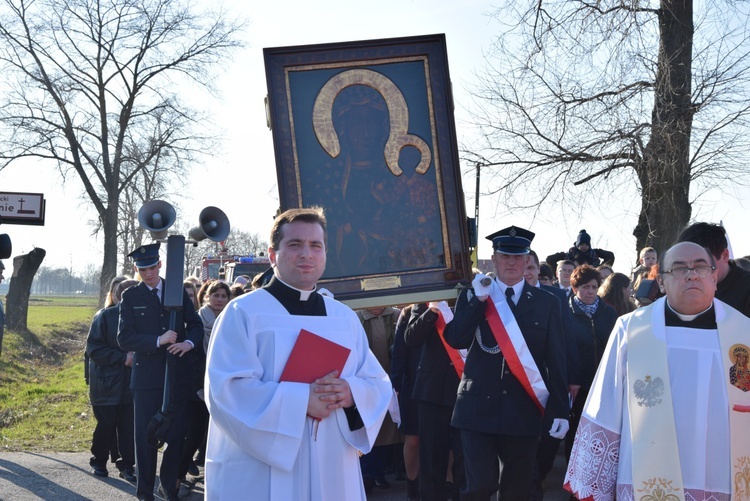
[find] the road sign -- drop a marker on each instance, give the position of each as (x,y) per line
(22,208)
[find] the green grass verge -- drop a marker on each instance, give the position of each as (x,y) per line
(44,403)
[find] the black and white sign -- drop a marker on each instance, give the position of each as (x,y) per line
(22,208)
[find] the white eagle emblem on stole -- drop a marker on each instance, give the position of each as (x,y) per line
(648,392)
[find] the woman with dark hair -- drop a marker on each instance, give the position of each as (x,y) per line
(593,321)
(109,388)
(213,297)
(192,292)
(616,292)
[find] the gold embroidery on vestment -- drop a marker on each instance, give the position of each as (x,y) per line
(741,476)
(658,489)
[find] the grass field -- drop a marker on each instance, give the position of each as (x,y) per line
(44,403)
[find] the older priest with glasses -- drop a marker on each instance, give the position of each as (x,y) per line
(667,416)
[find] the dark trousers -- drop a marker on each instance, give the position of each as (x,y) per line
(575,419)
(546,453)
(114,425)
(197,425)
(374,462)
(147,404)
(484,453)
(436,439)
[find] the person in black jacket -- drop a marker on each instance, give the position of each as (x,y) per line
(500,418)
(109,389)
(435,390)
(145,329)
(548,445)
(582,253)
(593,321)
(734,282)
(403,372)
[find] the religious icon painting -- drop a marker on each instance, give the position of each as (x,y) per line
(739,373)
(366,131)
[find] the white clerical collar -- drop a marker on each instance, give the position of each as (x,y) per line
(687,318)
(303,295)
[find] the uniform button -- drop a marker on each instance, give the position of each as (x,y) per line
(505,392)
(507,372)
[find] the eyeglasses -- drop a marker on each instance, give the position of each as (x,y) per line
(702,270)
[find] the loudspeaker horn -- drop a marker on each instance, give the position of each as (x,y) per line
(157,216)
(212,224)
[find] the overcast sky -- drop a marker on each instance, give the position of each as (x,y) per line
(241,178)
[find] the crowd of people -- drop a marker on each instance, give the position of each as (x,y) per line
(463,401)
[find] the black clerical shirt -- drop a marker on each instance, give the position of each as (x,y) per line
(289,298)
(706,320)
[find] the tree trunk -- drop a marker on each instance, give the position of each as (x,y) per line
(664,172)
(109,265)
(17,304)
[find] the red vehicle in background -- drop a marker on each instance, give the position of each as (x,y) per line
(227,267)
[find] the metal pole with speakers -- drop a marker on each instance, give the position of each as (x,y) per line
(157,216)
(212,224)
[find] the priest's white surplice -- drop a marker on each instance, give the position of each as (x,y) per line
(600,466)
(261,444)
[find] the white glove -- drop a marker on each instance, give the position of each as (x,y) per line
(481,290)
(559,428)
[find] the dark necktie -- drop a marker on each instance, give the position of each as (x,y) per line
(155,292)
(509,294)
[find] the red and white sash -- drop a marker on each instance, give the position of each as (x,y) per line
(513,346)
(445,315)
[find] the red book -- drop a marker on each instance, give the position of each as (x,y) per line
(313,357)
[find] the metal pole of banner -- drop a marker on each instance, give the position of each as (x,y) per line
(475,253)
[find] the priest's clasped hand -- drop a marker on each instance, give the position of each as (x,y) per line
(328,394)
(559,428)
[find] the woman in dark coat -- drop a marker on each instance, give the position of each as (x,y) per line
(593,321)
(109,389)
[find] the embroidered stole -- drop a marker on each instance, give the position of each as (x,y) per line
(445,315)
(656,466)
(656,458)
(513,347)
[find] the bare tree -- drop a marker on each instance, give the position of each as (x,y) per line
(611,95)
(243,243)
(238,243)
(92,86)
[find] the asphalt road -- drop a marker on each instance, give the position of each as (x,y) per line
(27,476)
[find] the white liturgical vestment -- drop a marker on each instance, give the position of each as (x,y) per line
(261,443)
(601,463)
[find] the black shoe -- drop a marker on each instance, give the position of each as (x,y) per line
(382,483)
(99,470)
(167,495)
(412,489)
(128,474)
(193,469)
(369,484)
